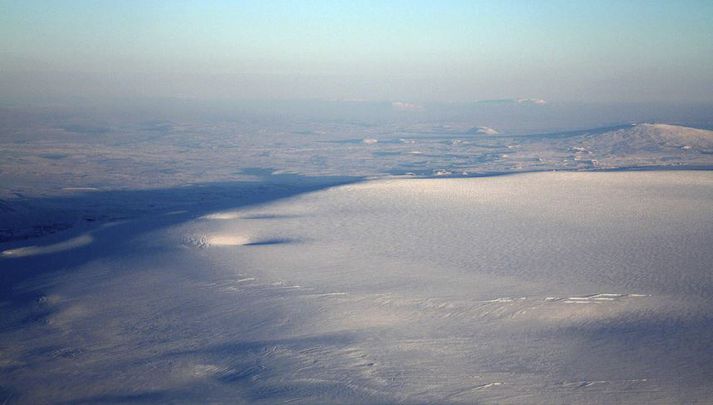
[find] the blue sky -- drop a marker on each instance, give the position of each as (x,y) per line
(373,50)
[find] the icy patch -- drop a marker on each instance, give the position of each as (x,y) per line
(596,298)
(583,384)
(484,386)
(80,189)
(588,383)
(470,390)
(505,299)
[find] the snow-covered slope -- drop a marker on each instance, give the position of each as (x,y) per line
(651,137)
(536,288)
(482,131)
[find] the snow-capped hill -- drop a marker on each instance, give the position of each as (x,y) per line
(651,137)
(675,133)
(482,131)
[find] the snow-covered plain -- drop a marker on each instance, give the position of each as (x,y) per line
(354,253)
(531,288)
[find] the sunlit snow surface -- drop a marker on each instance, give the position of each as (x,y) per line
(533,288)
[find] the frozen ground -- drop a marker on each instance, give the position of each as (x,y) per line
(373,257)
(531,288)
(93,158)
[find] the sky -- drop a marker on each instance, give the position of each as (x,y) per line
(411,51)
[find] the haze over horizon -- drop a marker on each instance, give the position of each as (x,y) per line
(356,202)
(412,52)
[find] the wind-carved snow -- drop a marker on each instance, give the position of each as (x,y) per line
(222,215)
(72,243)
(538,288)
(203,241)
(595,298)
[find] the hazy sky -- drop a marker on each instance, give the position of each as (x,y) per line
(373,50)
